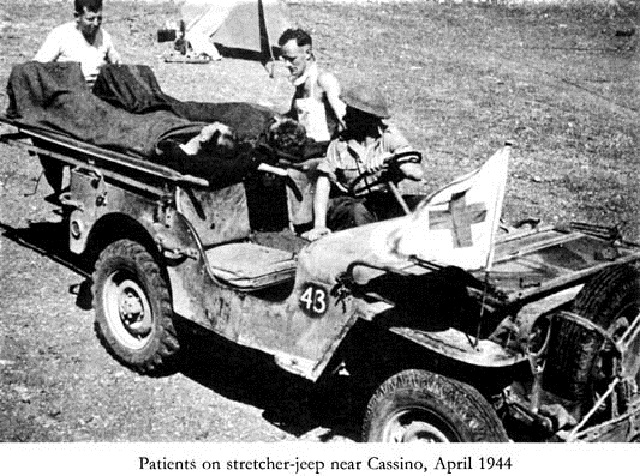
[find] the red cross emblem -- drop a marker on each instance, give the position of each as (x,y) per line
(458,218)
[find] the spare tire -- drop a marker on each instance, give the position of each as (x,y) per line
(610,297)
(611,300)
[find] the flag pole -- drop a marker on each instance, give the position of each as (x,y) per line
(491,253)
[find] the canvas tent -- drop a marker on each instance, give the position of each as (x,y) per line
(253,25)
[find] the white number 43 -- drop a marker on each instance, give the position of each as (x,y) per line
(314,300)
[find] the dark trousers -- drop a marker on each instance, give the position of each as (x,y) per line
(348,212)
(53,171)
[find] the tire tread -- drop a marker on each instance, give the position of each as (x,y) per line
(477,419)
(604,291)
(165,343)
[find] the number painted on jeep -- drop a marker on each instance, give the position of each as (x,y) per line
(313,300)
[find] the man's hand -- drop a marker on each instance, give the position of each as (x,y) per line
(113,57)
(218,134)
(316,233)
(412,171)
(275,122)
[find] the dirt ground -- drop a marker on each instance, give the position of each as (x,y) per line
(561,84)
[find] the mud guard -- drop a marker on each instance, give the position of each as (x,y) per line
(460,347)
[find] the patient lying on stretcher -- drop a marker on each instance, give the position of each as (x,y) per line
(219,156)
(214,154)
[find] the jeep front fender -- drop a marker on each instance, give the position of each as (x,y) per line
(459,346)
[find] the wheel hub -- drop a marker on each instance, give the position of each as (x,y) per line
(132,312)
(412,426)
(128,310)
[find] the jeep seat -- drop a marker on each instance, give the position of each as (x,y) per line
(217,215)
(249,267)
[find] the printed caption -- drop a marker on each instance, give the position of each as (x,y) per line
(296,466)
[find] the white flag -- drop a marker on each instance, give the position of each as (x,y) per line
(456,226)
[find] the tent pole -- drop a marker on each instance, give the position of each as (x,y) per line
(269,60)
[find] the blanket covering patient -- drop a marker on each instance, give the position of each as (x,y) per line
(140,119)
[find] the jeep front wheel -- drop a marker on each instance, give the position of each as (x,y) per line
(133,308)
(416,405)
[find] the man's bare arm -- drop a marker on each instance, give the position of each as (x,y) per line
(321,201)
(331,87)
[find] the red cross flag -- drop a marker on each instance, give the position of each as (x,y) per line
(456,226)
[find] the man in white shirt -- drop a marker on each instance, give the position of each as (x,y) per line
(82,40)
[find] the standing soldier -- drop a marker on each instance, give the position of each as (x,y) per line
(83,41)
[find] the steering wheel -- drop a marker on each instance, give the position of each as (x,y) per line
(387,177)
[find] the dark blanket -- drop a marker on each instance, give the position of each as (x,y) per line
(135,89)
(55,95)
(127,111)
(131,87)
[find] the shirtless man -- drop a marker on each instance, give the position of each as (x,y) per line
(316,102)
(316,105)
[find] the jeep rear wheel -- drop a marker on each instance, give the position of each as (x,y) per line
(133,308)
(416,405)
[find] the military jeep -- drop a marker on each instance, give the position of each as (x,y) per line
(545,345)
